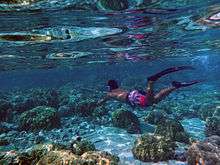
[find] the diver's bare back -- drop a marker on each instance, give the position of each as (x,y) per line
(118,94)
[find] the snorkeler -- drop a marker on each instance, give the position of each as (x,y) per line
(145,98)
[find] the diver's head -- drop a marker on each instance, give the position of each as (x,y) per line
(112,84)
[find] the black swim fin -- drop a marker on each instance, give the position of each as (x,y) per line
(167,71)
(184,84)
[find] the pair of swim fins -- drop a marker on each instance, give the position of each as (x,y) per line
(171,70)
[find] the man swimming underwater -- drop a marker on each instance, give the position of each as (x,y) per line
(145,98)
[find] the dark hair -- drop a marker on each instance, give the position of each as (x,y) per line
(112,84)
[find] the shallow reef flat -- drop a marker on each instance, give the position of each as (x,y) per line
(55,59)
(67,121)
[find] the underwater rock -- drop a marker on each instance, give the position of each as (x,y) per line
(5,110)
(85,107)
(127,120)
(149,148)
(156,117)
(212,126)
(34,98)
(36,152)
(29,156)
(49,97)
(214,139)
(115,5)
(207,152)
(9,157)
(24,103)
(58,157)
(38,118)
(67,157)
(100,157)
(79,147)
(174,130)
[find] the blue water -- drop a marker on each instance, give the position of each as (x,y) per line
(58,43)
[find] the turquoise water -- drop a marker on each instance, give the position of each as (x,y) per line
(61,53)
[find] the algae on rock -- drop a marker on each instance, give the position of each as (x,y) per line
(127,120)
(79,147)
(154,148)
(173,130)
(38,118)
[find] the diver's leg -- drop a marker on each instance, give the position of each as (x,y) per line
(167,71)
(150,88)
(150,91)
(175,85)
(178,84)
(163,94)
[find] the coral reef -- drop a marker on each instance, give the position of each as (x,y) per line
(38,118)
(173,130)
(127,120)
(207,152)
(212,126)
(59,157)
(79,147)
(156,117)
(56,154)
(35,97)
(5,110)
(71,111)
(100,157)
(154,148)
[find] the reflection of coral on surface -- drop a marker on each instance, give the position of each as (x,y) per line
(134,58)
(115,5)
(21,2)
(24,37)
(212,18)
